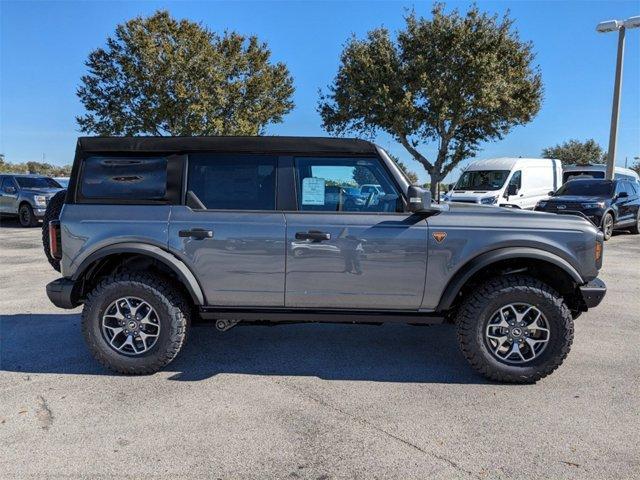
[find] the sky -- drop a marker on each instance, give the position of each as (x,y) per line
(43,47)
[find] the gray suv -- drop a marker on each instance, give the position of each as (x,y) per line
(26,196)
(251,229)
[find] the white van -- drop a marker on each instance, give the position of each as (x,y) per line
(571,172)
(507,182)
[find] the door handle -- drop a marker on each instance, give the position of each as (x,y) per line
(314,235)
(197,233)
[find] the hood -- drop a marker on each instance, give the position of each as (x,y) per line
(576,199)
(487,216)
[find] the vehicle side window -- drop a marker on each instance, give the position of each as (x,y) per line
(634,187)
(126,178)
(233,182)
(619,187)
(516,179)
(7,183)
(345,185)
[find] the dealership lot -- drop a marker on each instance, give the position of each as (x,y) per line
(312,401)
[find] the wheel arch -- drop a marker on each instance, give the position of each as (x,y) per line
(126,252)
(558,272)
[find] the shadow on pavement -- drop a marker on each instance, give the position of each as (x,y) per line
(52,343)
(12,222)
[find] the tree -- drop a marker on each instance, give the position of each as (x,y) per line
(411,175)
(636,167)
(158,76)
(577,152)
(454,80)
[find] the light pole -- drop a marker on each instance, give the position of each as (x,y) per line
(620,26)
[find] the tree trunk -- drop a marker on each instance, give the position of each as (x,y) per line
(435,178)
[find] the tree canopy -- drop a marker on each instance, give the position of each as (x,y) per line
(34,167)
(162,76)
(576,152)
(453,80)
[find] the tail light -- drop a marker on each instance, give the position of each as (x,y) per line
(55,241)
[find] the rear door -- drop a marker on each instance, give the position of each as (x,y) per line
(230,233)
(352,247)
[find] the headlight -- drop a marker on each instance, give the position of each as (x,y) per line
(40,200)
(541,204)
(489,200)
(593,205)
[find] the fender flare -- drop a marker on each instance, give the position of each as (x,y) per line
(477,263)
(175,264)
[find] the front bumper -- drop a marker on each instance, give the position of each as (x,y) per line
(593,292)
(61,293)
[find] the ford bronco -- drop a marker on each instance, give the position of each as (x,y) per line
(153,231)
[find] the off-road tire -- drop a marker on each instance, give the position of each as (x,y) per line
(54,207)
(173,314)
(476,310)
(26,217)
(635,228)
(607,235)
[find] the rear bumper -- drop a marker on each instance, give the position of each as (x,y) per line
(593,292)
(61,294)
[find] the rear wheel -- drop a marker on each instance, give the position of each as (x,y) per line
(515,329)
(607,225)
(54,207)
(26,217)
(135,323)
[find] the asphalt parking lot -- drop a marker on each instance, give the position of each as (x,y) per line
(312,401)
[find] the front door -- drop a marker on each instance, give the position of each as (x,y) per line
(8,195)
(229,233)
(350,245)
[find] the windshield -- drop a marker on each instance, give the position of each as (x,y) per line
(585,188)
(575,174)
(37,182)
(482,180)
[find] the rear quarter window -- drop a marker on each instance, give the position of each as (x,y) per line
(124,178)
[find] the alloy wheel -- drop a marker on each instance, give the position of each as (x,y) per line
(517,333)
(130,326)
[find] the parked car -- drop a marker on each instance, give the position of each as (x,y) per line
(146,223)
(609,204)
(507,182)
(573,172)
(26,196)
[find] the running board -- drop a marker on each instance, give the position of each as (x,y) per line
(328,316)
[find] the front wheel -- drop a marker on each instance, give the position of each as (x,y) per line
(515,329)
(635,229)
(26,217)
(607,226)
(135,323)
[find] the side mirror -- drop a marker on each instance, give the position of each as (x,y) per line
(551,193)
(419,199)
(451,185)
(512,189)
(623,195)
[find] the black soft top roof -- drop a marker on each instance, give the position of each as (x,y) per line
(282,145)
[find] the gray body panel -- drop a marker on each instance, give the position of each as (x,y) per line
(88,228)
(474,230)
(374,261)
(243,264)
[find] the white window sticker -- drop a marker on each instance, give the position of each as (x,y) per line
(313,191)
